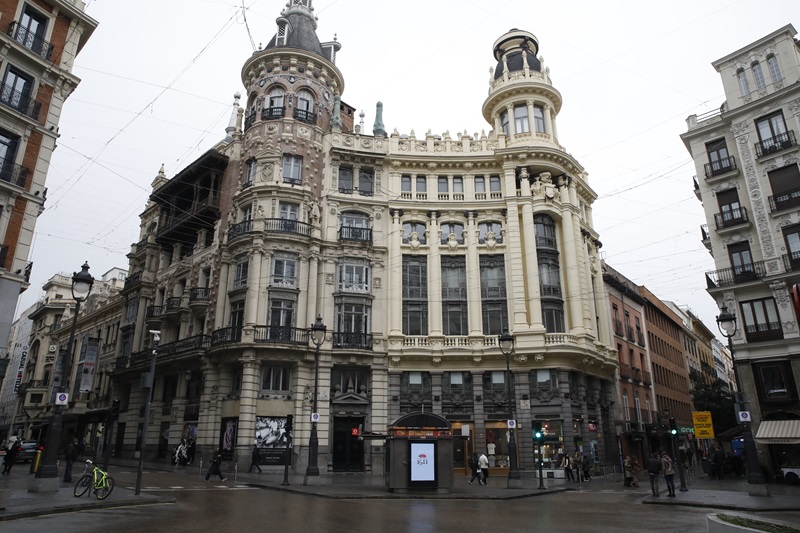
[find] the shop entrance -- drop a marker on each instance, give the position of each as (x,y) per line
(348,448)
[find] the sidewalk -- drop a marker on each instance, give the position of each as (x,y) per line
(703,492)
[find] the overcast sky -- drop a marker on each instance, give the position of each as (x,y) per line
(158,78)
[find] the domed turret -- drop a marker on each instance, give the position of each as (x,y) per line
(514,50)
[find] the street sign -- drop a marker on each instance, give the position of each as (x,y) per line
(512,424)
(703,425)
(62,398)
(354,432)
(315,417)
(744,416)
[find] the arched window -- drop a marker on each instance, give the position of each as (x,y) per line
(413,227)
(304,111)
(275,104)
(744,85)
(758,76)
(486,227)
(451,227)
(774,69)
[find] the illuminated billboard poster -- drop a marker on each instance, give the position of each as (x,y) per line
(423,463)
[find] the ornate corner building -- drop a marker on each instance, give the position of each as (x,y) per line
(416,252)
(38,46)
(748,180)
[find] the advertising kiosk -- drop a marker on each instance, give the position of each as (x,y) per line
(419,454)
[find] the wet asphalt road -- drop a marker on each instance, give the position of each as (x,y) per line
(223,507)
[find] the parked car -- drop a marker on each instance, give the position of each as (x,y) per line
(26,450)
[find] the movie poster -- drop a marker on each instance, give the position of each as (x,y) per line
(271,440)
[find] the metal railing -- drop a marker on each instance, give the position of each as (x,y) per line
(740,274)
(239,229)
(230,334)
(13,174)
(775,144)
(734,217)
(282,225)
(19,101)
(785,200)
(302,115)
(199,294)
(349,233)
(624,371)
(344,339)
(30,40)
(280,334)
(721,166)
(270,113)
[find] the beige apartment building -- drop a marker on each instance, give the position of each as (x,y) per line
(746,157)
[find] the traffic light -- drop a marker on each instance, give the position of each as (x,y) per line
(673,426)
(538,434)
(289,423)
(115,410)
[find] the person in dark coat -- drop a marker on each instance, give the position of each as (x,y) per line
(653,468)
(213,468)
(718,460)
(190,451)
(71,455)
(473,465)
(11,457)
(255,456)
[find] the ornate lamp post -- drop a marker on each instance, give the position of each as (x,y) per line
(507,347)
(757,485)
(317,337)
(81,287)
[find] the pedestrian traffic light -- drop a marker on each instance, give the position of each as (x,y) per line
(673,426)
(115,409)
(289,423)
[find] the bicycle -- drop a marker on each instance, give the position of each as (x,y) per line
(103,483)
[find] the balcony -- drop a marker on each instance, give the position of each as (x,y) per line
(739,274)
(639,337)
(282,225)
(624,371)
(199,296)
(775,144)
(189,344)
(237,230)
(132,280)
(767,331)
(618,328)
(271,113)
(352,234)
(13,174)
(121,362)
(343,339)
(20,102)
(173,303)
(280,335)
(637,374)
(786,200)
(546,242)
(302,115)
(191,412)
(646,378)
(550,290)
(223,335)
(153,314)
(30,385)
(629,333)
(720,167)
(697,188)
(729,219)
(249,120)
(30,40)
(791,262)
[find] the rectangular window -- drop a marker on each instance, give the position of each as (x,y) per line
(744,85)
(758,75)
(774,381)
(791,235)
(252,165)
(785,184)
(346,180)
(494,183)
(276,378)
(284,272)
(443,185)
(241,271)
(458,184)
(31,31)
(422,184)
(718,160)
(731,211)
(480,184)
(772,134)
(415,295)
(354,278)
(292,169)
(504,122)
(774,69)
(521,124)
(366,182)
(761,322)
(538,118)
(454,296)
(16,91)
(281,319)
(405,183)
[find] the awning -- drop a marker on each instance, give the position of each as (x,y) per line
(779,432)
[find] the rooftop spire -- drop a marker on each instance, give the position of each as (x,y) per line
(231,129)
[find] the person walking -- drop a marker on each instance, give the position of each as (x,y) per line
(473,466)
(718,460)
(577,461)
(653,468)
(668,466)
(627,468)
(255,456)
(213,468)
(71,455)
(11,456)
(566,464)
(190,451)
(586,464)
(181,456)
(483,468)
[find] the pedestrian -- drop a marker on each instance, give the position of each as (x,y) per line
(11,456)
(689,455)
(627,470)
(577,463)
(635,468)
(668,466)
(473,466)
(483,468)
(718,460)
(255,456)
(71,455)
(566,464)
(190,451)
(213,468)
(587,467)
(653,468)
(181,456)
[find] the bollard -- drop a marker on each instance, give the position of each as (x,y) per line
(235,471)
(201,467)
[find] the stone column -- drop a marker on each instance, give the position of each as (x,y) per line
(253,288)
(528,230)
(572,274)
(514,272)
(474,311)
(312,287)
(567,431)
(251,385)
(394,265)
(434,277)
(783,302)
(222,300)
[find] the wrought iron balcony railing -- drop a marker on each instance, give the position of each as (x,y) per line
(344,339)
(13,174)
(775,144)
(30,40)
(20,102)
(308,117)
(282,225)
(271,113)
(280,334)
(739,274)
(730,218)
(721,166)
(349,233)
(785,200)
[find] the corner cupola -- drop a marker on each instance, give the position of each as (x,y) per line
(297,28)
(515,51)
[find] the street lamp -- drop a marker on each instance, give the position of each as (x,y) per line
(317,337)
(81,287)
(757,485)
(507,347)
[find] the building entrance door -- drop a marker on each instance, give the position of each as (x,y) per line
(348,449)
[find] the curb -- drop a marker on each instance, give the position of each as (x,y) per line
(6,516)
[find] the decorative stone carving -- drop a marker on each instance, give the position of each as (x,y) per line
(477,360)
(436,361)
